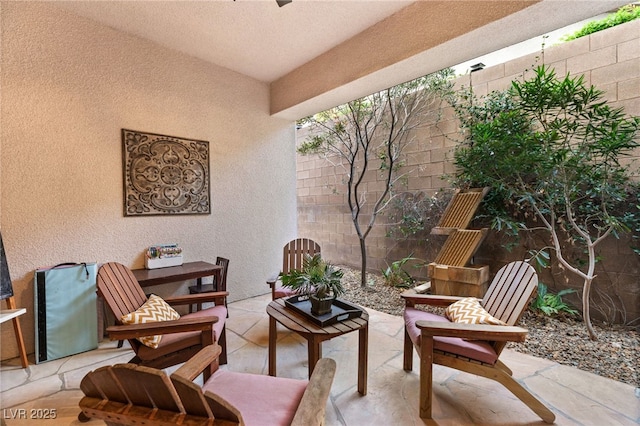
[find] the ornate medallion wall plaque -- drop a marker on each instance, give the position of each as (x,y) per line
(165,175)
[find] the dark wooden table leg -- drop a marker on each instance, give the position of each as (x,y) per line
(363,353)
(272,346)
(199,284)
(314,347)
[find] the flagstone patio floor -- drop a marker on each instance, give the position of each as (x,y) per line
(575,396)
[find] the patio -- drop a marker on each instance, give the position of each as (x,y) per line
(575,396)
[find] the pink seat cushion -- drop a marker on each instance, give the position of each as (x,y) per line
(283,291)
(473,349)
(172,342)
(260,399)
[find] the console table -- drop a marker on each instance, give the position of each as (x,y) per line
(186,271)
(172,274)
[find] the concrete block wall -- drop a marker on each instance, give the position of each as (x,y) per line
(610,60)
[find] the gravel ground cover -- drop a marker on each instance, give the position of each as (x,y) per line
(560,338)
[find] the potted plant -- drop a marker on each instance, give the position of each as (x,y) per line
(319,280)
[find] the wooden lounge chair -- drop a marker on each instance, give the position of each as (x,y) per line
(181,339)
(472,348)
(127,394)
(292,256)
(460,247)
(460,210)
(451,274)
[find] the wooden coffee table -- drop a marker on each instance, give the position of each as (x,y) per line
(315,335)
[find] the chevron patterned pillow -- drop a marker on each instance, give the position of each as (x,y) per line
(153,310)
(469,311)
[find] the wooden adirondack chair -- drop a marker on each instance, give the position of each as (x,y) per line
(292,256)
(181,339)
(472,348)
(127,394)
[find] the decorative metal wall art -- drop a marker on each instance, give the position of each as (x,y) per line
(165,175)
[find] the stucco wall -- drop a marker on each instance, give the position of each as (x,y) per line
(610,60)
(69,85)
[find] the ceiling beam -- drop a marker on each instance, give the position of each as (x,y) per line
(422,38)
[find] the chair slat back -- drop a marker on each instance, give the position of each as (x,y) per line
(222,409)
(148,387)
(510,292)
(293,253)
(460,247)
(119,288)
(221,261)
(102,384)
(191,396)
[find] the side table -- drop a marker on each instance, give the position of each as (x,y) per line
(315,335)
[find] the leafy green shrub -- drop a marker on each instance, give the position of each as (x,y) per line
(552,304)
(396,276)
(624,14)
(552,156)
(413,214)
(632,217)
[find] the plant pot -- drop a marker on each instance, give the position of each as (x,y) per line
(320,306)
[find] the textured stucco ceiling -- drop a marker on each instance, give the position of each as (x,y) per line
(253,37)
(319,53)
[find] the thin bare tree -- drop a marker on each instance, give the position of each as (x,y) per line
(369,135)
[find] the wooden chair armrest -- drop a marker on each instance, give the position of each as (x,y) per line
(132,331)
(197,363)
(191,299)
(473,331)
(311,410)
(412,298)
(272,279)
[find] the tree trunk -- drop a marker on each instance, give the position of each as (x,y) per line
(587,276)
(363,266)
(586,314)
